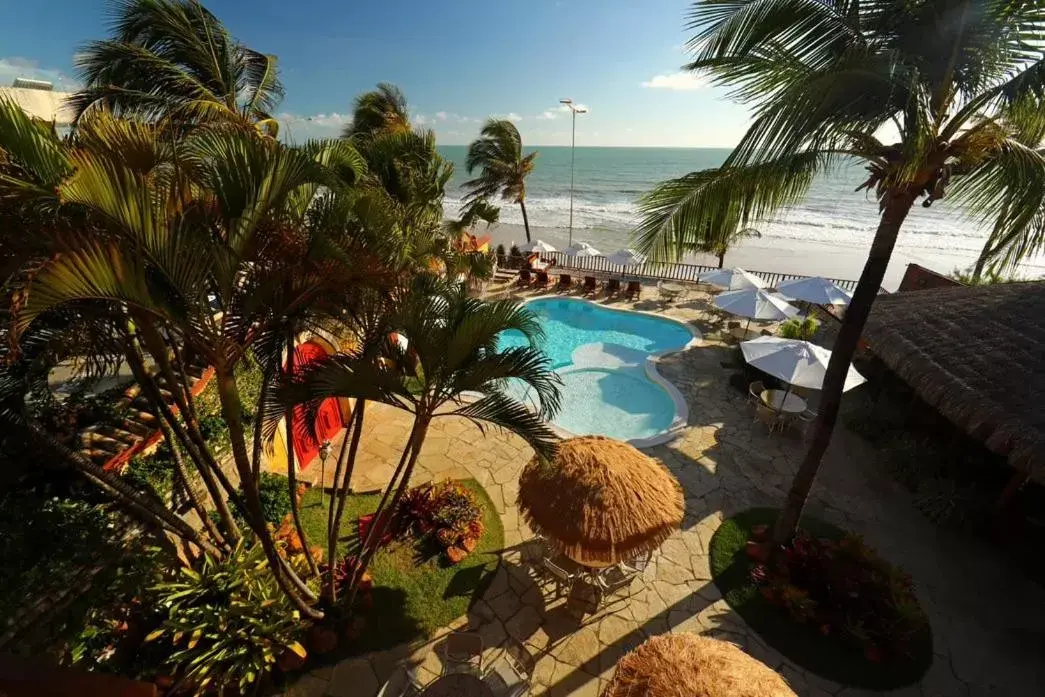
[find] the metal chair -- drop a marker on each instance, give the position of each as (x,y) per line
(403,683)
(463,653)
(616,578)
(755,390)
(639,563)
(769,416)
(510,675)
(563,578)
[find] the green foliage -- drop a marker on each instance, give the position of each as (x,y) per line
(275,499)
(829,654)
(152,473)
(501,255)
(227,624)
(804,328)
(514,252)
(989,277)
(448,510)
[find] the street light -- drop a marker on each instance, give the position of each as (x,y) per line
(574,110)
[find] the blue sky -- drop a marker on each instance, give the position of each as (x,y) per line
(459,61)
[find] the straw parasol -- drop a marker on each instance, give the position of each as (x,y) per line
(600,501)
(694,666)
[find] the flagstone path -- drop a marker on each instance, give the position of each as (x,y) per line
(988,621)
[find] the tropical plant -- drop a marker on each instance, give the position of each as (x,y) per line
(450,352)
(382,110)
(803,328)
(724,239)
(988,277)
(498,154)
(174,60)
(227,623)
(960,84)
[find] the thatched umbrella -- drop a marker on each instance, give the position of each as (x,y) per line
(693,666)
(600,501)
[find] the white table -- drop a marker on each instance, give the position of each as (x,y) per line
(784,402)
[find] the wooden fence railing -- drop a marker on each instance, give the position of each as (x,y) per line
(658,270)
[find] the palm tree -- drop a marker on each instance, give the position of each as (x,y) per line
(173,59)
(498,153)
(959,84)
(381,110)
(450,353)
(721,243)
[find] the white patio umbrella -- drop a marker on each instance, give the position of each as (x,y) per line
(626,257)
(539,246)
(816,290)
(582,249)
(798,363)
(755,303)
(732,279)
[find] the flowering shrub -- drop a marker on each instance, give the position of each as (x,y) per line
(843,588)
(447,511)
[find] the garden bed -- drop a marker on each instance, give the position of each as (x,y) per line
(819,647)
(416,589)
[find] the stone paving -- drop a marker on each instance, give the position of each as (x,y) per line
(987,619)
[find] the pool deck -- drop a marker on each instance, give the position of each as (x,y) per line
(988,621)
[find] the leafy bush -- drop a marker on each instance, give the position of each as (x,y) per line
(227,624)
(275,499)
(447,511)
(803,329)
(501,255)
(843,588)
(152,473)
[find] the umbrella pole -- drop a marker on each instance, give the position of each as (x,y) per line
(747,329)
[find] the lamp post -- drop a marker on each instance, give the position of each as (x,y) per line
(324,453)
(574,110)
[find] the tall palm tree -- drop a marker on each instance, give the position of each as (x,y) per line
(449,366)
(381,110)
(720,243)
(173,59)
(498,154)
(959,84)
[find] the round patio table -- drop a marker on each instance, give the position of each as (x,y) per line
(784,402)
(673,287)
(458,685)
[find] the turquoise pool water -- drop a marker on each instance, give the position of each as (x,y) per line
(600,354)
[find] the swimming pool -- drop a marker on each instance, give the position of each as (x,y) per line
(607,361)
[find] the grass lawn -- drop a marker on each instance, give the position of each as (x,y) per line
(826,656)
(415,591)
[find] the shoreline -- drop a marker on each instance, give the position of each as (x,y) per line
(773,254)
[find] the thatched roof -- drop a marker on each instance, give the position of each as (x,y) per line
(600,500)
(694,666)
(976,354)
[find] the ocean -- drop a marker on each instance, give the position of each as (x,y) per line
(608,182)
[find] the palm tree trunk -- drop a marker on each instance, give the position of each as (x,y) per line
(981,261)
(232,411)
(194,497)
(721,258)
(526,221)
(380,524)
(292,476)
(346,461)
(898,205)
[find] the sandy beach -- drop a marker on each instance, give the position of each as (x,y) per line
(776,254)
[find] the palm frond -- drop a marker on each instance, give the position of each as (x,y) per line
(512,416)
(33,148)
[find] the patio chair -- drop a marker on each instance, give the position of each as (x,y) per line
(563,579)
(565,283)
(633,291)
(755,390)
(403,683)
(525,277)
(463,653)
(639,563)
(769,416)
(591,286)
(542,280)
(511,674)
(616,578)
(613,288)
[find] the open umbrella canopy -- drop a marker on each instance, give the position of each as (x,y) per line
(799,363)
(731,279)
(582,249)
(694,666)
(600,501)
(626,257)
(755,303)
(539,246)
(816,290)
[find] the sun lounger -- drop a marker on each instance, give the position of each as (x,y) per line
(525,277)
(565,283)
(542,280)
(613,287)
(591,286)
(633,291)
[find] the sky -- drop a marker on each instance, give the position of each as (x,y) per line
(458,61)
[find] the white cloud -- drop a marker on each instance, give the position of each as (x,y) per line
(679,81)
(441,115)
(512,116)
(419,119)
(16,66)
(547,116)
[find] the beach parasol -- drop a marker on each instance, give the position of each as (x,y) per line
(816,290)
(539,246)
(600,501)
(582,249)
(755,304)
(731,279)
(626,257)
(694,666)
(797,363)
